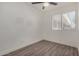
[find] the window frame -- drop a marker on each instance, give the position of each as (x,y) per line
(76,20)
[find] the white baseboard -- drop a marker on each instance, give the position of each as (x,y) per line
(17,47)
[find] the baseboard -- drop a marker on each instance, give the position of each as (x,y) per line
(16,48)
(64,43)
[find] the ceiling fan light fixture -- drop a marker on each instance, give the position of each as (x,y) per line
(46,4)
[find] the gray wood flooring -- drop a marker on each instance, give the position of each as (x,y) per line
(45,48)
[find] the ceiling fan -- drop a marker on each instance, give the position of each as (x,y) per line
(45,4)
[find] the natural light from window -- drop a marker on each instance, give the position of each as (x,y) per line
(64,21)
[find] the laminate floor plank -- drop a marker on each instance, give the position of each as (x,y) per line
(45,48)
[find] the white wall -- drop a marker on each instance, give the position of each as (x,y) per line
(19,26)
(64,37)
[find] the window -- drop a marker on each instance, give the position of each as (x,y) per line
(68,20)
(64,21)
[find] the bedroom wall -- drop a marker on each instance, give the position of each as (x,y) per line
(19,26)
(64,37)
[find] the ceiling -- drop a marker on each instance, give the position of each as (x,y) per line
(50,7)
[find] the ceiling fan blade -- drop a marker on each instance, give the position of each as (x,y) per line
(54,3)
(37,2)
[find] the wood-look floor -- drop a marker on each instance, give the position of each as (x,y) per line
(45,48)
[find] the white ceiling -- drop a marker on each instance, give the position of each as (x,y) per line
(50,7)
